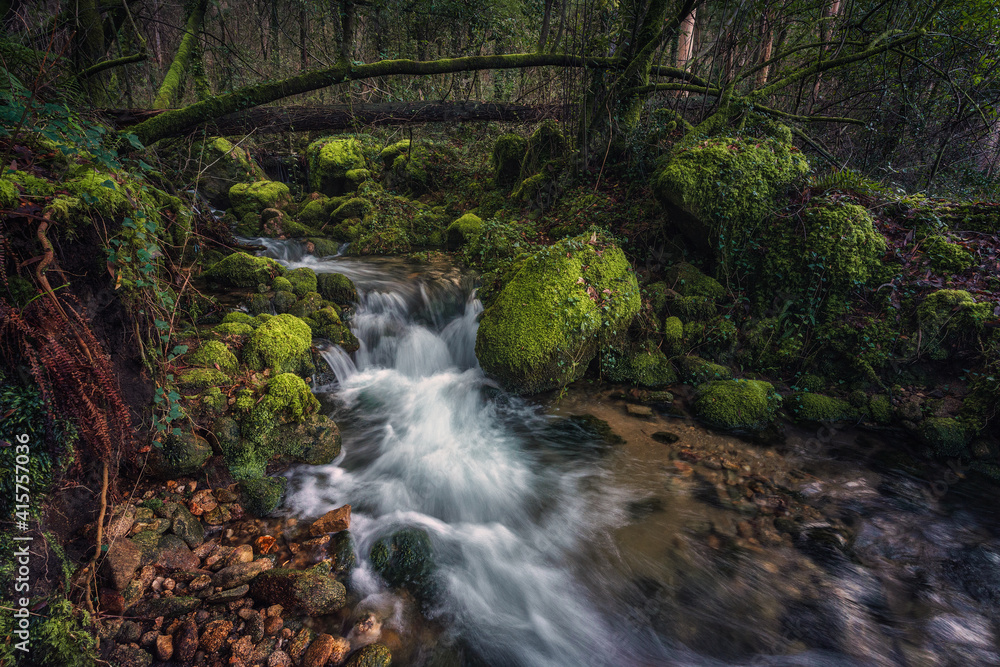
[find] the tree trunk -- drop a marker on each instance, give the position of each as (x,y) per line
(685,39)
(178,68)
(88,44)
(767,42)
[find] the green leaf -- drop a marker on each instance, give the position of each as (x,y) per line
(136,144)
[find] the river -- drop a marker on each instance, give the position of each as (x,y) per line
(555,544)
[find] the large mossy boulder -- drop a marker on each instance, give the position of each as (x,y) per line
(424,167)
(405,560)
(313,592)
(281,344)
(560,305)
(545,144)
(810,407)
(508,152)
(737,405)
(330,158)
(213,354)
(720,188)
(949,318)
(248,198)
(337,287)
(179,455)
(260,496)
(315,441)
(463,230)
(243,270)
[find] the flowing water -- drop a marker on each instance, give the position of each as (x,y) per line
(554,546)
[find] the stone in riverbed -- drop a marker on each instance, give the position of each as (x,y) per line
(121,562)
(318,653)
(228,595)
(240,573)
(311,592)
(333,521)
(166,607)
(666,437)
(373,655)
(213,637)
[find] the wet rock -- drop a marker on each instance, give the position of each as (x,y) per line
(121,523)
(341,552)
(187,527)
(147,542)
(319,651)
(202,502)
(228,595)
(640,509)
(311,592)
(666,437)
(405,559)
(224,495)
(130,656)
(129,633)
(164,647)
(263,649)
(373,655)
(977,571)
(243,649)
(170,607)
(333,521)
(299,644)
(273,625)
(241,554)
(315,441)
(240,573)
(255,626)
(203,551)
(214,636)
(280,659)
(639,410)
(122,560)
(174,554)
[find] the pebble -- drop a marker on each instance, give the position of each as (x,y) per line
(639,410)
(164,647)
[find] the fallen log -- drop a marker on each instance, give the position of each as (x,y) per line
(271,120)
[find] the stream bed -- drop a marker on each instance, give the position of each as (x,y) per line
(660,543)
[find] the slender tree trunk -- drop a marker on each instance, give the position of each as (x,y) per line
(89,46)
(685,39)
(826,27)
(543,36)
(169,90)
(303,36)
(767,42)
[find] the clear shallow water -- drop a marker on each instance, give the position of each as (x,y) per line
(542,556)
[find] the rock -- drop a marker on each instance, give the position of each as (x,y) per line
(243,270)
(740,405)
(255,626)
(373,655)
(329,159)
(129,633)
(666,437)
(279,659)
(224,495)
(299,644)
(174,554)
(405,559)
(241,554)
(121,523)
(214,636)
(333,521)
(463,230)
(311,592)
(341,647)
(129,656)
(280,344)
(228,595)
(810,407)
(337,288)
(170,607)
(221,165)
(199,583)
(121,562)
(202,502)
(561,303)
(248,198)
(319,651)
(262,650)
(187,527)
(642,367)
(341,552)
(223,513)
(204,550)
(164,647)
(639,410)
(315,441)
(243,648)
(273,625)
(263,495)
(240,573)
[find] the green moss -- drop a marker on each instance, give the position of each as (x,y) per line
(396,225)
(947,257)
(880,409)
(692,307)
(949,317)
(280,344)
(8,194)
(545,144)
(356,177)
(322,247)
(393,151)
(820,256)
(645,368)
(809,407)
(307,305)
(216,165)
(233,329)
(673,336)
(737,405)
(262,495)
(100,191)
(947,436)
(283,302)
(282,284)
(658,295)
(721,188)
(246,198)
(695,370)
(548,321)
(373,655)
(317,212)
(715,337)
(258,303)
(211,354)
(508,152)
(325,323)
(213,400)
(31,186)
(303,281)
(355,207)
(687,280)
(405,559)
(337,287)
(201,378)
(330,159)
(244,270)
(463,230)
(424,168)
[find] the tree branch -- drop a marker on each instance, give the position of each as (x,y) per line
(108,64)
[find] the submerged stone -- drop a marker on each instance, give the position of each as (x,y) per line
(737,405)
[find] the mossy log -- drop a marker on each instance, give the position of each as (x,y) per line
(172,81)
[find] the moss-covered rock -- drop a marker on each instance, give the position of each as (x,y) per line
(737,405)
(393,151)
(218,165)
(463,230)
(313,592)
(196,379)
(233,329)
(373,655)
(326,323)
(695,370)
(282,283)
(246,198)
(688,280)
(880,409)
(355,207)
(720,188)
(260,496)
(303,281)
(213,354)
(318,212)
(337,287)
(690,308)
(424,168)
(716,337)
(947,318)
(307,305)
(405,559)
(561,304)
(315,441)
(673,336)
(508,152)
(946,435)
(330,158)
(243,270)
(810,407)
(280,344)
(644,367)
(283,302)
(546,143)
(179,455)
(947,257)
